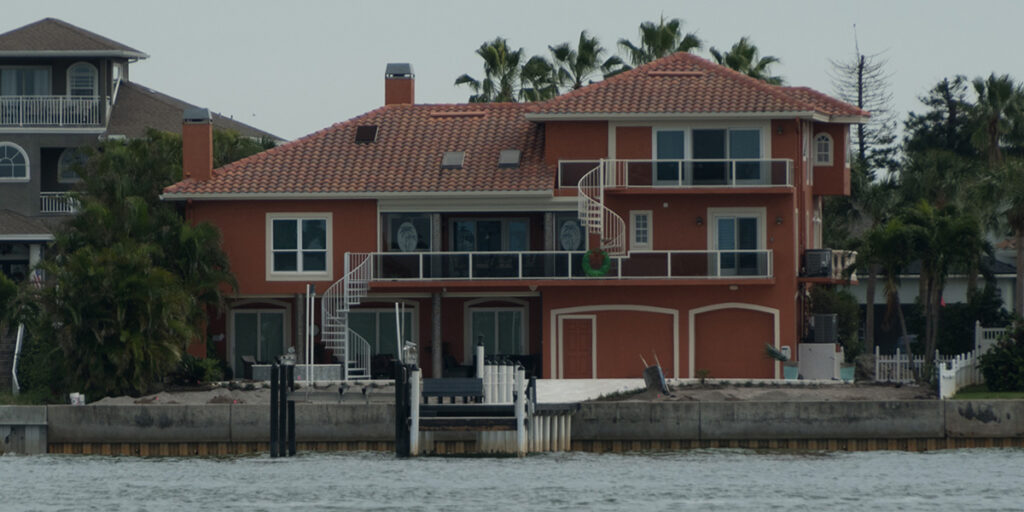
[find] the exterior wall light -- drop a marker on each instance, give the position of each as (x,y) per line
(700,220)
(778,220)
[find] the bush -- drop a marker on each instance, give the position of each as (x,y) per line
(844,305)
(1003,364)
(192,370)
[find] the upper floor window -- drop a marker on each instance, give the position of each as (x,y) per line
(408,232)
(24,81)
(490,235)
(713,156)
(299,245)
(82,79)
(823,149)
(13,162)
(71,160)
(640,229)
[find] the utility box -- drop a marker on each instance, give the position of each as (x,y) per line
(818,262)
(820,361)
(826,327)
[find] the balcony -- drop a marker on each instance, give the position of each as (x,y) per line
(543,265)
(681,174)
(50,111)
(57,203)
(829,265)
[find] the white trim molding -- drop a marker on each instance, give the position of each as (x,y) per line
(555,336)
(824,138)
(729,305)
(593,343)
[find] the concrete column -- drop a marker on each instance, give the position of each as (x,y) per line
(435,325)
(549,231)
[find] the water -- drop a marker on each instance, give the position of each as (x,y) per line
(720,479)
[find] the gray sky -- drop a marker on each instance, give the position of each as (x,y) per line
(294,67)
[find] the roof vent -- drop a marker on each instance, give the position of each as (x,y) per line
(366,133)
(453,159)
(509,158)
(675,73)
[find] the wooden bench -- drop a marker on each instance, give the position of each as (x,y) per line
(470,414)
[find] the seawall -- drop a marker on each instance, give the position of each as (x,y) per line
(224,429)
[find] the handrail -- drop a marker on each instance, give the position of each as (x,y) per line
(51,110)
(15,385)
(699,172)
(542,265)
(598,218)
(57,202)
(358,351)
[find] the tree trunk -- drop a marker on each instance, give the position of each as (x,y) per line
(1018,299)
(899,314)
(869,309)
(972,276)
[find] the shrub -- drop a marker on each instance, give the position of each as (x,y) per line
(844,305)
(192,370)
(1003,364)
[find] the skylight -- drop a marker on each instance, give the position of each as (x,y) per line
(366,133)
(509,158)
(453,159)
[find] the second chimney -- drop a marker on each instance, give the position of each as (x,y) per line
(399,84)
(197,144)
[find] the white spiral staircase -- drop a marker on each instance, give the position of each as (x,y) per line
(598,218)
(347,345)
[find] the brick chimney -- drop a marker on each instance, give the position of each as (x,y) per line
(197,144)
(399,84)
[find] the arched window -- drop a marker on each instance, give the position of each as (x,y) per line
(82,80)
(67,167)
(823,149)
(13,162)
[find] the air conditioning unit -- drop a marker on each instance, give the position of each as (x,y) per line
(818,262)
(825,328)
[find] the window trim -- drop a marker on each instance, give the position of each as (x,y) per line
(818,153)
(28,164)
(61,167)
(95,80)
(288,275)
(634,245)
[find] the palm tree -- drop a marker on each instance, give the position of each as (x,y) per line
(886,248)
(576,65)
(745,58)
(501,73)
(1011,182)
(998,112)
(658,40)
(539,80)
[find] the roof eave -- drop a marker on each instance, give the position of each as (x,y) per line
(850,119)
(270,196)
(74,53)
(641,116)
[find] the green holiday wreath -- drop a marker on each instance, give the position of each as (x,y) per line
(606,263)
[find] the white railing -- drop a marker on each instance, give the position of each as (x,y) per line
(335,304)
(357,357)
(959,372)
(598,218)
(49,111)
(57,202)
(986,337)
(15,385)
(673,173)
(903,367)
(842,260)
(534,265)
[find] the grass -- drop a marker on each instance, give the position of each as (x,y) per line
(28,398)
(981,392)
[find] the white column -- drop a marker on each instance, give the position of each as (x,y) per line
(520,412)
(414,413)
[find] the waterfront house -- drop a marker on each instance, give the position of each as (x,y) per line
(61,88)
(671,211)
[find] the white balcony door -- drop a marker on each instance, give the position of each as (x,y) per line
(738,239)
(499,329)
(258,333)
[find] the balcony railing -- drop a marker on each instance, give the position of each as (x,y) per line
(57,202)
(395,266)
(49,111)
(732,172)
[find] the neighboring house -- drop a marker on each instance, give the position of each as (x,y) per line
(61,88)
(703,186)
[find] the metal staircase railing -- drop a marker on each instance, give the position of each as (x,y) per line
(347,345)
(598,218)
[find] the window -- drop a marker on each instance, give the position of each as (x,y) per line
(737,237)
(366,133)
(25,81)
(453,159)
(82,80)
(378,328)
(499,329)
(509,158)
(641,238)
(408,232)
(71,160)
(490,235)
(13,162)
(299,246)
(823,149)
(258,333)
(704,159)
(569,234)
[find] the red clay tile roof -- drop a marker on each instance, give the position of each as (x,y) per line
(56,36)
(683,83)
(825,103)
(406,157)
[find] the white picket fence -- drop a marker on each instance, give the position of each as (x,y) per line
(955,372)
